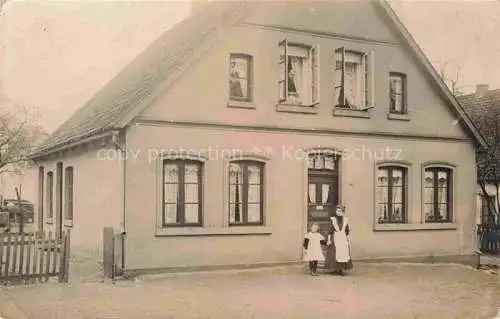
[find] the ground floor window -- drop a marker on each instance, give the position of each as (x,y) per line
(488,211)
(246,193)
(438,204)
(182,193)
(391,195)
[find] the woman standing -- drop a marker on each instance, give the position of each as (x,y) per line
(338,256)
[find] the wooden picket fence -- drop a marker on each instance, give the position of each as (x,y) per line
(32,257)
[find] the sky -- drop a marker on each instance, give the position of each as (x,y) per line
(54,55)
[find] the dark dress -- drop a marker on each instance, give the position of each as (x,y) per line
(330,262)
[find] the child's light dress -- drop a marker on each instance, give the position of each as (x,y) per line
(313,250)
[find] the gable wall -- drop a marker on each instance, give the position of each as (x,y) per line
(202,93)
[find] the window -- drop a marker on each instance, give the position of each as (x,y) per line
(323,161)
(299,74)
(397,93)
(68,193)
(49,195)
(41,176)
(391,195)
(246,193)
(488,203)
(240,77)
(351,79)
(438,195)
(182,193)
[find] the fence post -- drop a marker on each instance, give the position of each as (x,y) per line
(66,255)
(108,235)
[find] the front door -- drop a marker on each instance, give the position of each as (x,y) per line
(322,199)
(323,190)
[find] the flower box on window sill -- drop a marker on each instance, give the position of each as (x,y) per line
(68,223)
(289,107)
(398,116)
(49,220)
(214,231)
(348,112)
(241,104)
(413,227)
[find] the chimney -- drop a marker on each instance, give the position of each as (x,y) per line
(482,89)
(197,6)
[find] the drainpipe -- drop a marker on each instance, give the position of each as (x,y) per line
(123,161)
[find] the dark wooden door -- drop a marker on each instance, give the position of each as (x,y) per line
(323,196)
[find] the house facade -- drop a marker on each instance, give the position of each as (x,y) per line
(237,129)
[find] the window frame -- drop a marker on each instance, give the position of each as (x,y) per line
(450,194)
(313,69)
(405,193)
(404,99)
(244,164)
(41,196)
(49,197)
(181,163)
(249,78)
(366,85)
(69,194)
(483,197)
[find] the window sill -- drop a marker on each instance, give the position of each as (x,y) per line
(410,227)
(68,223)
(345,112)
(241,104)
(398,116)
(294,108)
(49,221)
(215,231)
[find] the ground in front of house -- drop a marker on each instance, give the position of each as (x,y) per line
(372,291)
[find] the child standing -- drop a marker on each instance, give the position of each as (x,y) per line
(312,245)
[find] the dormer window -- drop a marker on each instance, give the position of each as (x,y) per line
(299,74)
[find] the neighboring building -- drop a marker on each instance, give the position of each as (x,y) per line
(246,122)
(483,107)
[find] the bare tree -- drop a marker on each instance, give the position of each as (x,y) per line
(450,78)
(18,135)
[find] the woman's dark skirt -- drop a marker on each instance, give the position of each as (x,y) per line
(331,264)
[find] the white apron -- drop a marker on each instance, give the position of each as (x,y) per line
(341,242)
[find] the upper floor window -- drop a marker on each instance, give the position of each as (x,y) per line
(182,193)
(68,193)
(397,93)
(246,193)
(391,195)
(438,202)
(351,79)
(299,74)
(49,195)
(240,77)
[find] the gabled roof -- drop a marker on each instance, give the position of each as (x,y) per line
(161,63)
(134,88)
(444,91)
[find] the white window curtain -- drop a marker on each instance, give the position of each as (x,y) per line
(325,193)
(312,193)
(295,76)
(353,81)
(191,194)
